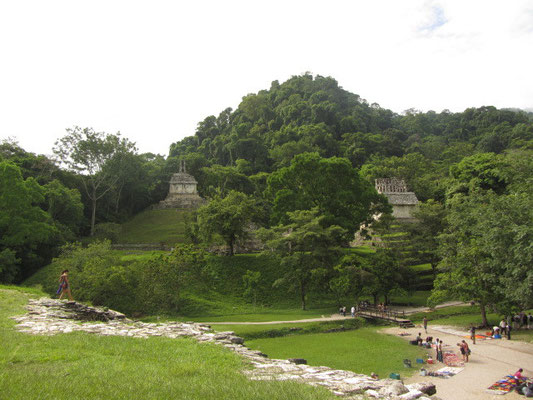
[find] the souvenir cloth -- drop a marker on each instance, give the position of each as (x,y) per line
(506,384)
(452,359)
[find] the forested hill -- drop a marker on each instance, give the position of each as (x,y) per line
(249,154)
(314,114)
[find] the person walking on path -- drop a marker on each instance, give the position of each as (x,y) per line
(465,350)
(473,333)
(425,322)
(64,286)
(353,311)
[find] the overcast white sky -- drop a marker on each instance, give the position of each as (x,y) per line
(154,69)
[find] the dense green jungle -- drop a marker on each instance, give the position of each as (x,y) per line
(292,168)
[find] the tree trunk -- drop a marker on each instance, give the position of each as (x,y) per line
(483,314)
(231,246)
(302,295)
(375,296)
(386,300)
(93,215)
(434,270)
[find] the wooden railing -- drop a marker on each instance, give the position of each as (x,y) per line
(374,311)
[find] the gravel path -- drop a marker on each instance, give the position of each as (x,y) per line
(490,361)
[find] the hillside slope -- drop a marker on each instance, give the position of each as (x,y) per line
(156,226)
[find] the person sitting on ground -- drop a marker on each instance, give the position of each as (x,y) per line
(419,339)
(518,374)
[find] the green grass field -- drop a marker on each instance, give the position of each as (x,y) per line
(84,366)
(363,350)
(156,226)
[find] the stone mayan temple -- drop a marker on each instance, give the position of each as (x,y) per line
(182,192)
(403,202)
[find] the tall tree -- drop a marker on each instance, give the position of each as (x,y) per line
(332,185)
(424,232)
(307,249)
(487,251)
(25,229)
(229,216)
(89,153)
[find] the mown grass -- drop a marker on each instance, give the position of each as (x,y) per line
(417,298)
(84,366)
(363,350)
(156,226)
(263,331)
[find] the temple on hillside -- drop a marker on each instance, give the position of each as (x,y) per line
(403,202)
(182,192)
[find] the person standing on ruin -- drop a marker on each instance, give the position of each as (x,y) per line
(64,286)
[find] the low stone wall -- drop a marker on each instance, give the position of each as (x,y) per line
(48,317)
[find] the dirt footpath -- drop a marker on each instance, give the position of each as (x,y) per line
(490,361)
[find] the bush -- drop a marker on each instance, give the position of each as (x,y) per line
(108,231)
(155,285)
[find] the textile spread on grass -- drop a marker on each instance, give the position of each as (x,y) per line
(506,384)
(452,360)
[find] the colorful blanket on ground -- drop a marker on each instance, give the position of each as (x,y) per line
(506,384)
(478,337)
(445,372)
(452,360)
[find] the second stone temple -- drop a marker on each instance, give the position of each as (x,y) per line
(183,191)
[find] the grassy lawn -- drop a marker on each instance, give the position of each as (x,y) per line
(417,299)
(156,226)
(363,350)
(84,366)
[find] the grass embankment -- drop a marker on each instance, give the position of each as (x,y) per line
(156,226)
(361,348)
(84,366)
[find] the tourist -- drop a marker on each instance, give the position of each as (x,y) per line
(344,311)
(439,352)
(353,311)
(473,333)
(518,374)
(530,321)
(503,325)
(508,331)
(419,339)
(64,286)
(465,350)
(425,322)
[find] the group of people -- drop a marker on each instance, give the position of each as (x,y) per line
(342,311)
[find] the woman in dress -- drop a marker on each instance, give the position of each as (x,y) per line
(64,286)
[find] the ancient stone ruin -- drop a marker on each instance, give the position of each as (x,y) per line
(402,201)
(182,193)
(50,317)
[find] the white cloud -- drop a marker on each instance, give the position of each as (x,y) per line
(154,70)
